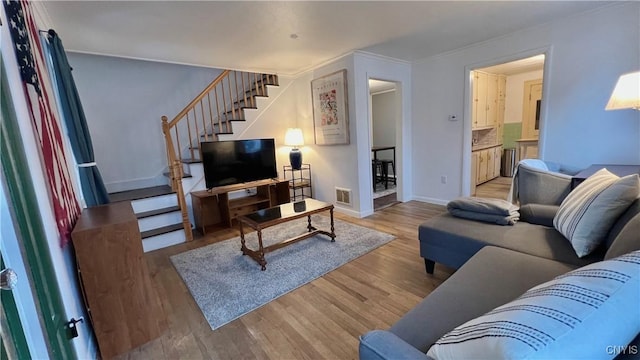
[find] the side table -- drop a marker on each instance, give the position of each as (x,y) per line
(620,170)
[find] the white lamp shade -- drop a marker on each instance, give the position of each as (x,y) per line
(626,94)
(294,137)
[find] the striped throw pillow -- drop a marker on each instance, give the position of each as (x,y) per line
(586,215)
(583,314)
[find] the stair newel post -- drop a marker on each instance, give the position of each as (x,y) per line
(171,155)
(182,202)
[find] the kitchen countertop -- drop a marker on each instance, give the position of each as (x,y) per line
(482,147)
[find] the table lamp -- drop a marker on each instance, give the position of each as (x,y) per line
(626,94)
(294,138)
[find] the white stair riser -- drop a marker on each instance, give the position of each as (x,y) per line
(158,221)
(164,240)
(153,203)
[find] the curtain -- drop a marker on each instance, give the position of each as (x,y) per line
(93,187)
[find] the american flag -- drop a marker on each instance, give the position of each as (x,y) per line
(37,86)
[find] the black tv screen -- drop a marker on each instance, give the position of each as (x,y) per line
(238,161)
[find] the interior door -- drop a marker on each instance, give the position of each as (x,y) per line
(531,109)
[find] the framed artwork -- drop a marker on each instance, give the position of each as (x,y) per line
(330,109)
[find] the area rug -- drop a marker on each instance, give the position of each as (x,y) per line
(226,285)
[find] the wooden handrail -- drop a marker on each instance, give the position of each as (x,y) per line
(198,98)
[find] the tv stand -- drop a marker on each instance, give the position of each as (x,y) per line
(212,208)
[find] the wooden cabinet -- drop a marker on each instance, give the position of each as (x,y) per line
(497,160)
(485,164)
(214,208)
(122,303)
(474,172)
(488,100)
(502,95)
(479,106)
(492,99)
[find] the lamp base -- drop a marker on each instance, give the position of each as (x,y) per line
(295,158)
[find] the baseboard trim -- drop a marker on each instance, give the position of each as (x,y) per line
(431,200)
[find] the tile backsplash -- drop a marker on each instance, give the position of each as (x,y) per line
(485,137)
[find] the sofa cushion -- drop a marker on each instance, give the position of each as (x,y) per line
(624,236)
(577,315)
(588,212)
(452,241)
(489,279)
(538,214)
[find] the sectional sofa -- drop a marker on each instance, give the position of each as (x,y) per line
(497,265)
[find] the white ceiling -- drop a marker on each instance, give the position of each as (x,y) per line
(257,36)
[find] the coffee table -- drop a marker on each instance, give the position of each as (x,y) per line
(265,218)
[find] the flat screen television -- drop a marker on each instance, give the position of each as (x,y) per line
(238,161)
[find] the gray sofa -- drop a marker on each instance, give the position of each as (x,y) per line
(495,264)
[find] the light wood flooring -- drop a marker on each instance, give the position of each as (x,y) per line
(320,320)
(497,188)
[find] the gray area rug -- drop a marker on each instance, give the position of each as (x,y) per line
(227,285)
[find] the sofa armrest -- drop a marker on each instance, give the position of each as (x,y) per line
(538,214)
(385,345)
(541,186)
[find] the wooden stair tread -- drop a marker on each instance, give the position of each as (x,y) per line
(190,161)
(143,193)
(166,210)
(161,230)
(185,175)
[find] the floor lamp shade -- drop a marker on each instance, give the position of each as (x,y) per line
(294,138)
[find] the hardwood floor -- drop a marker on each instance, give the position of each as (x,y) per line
(497,188)
(320,320)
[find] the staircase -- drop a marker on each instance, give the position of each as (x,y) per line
(164,212)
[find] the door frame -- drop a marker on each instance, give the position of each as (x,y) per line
(398,140)
(465,184)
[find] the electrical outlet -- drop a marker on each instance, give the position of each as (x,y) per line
(443,179)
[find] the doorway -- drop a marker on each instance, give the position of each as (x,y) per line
(506,100)
(384,105)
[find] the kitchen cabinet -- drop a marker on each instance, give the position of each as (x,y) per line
(485,164)
(488,100)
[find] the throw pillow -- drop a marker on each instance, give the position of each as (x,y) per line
(582,314)
(589,211)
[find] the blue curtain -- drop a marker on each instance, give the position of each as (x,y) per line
(93,187)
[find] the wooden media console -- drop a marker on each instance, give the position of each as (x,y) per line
(214,209)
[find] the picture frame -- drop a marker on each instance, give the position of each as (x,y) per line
(330,109)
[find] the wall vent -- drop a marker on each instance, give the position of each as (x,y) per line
(343,196)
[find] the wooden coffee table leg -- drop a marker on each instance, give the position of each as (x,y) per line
(309,227)
(333,230)
(242,241)
(261,259)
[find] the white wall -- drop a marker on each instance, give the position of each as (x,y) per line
(332,165)
(349,166)
(515,94)
(383,112)
(123,100)
(585,55)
